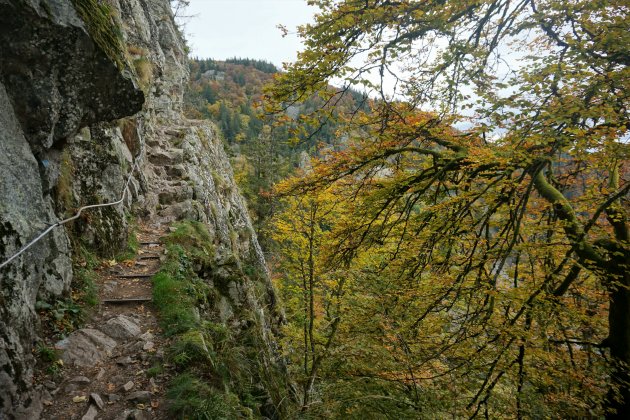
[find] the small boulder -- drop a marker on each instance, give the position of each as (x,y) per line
(147,336)
(113,397)
(79,380)
(91,413)
(124,360)
(121,327)
(50,385)
(134,415)
(128,386)
(76,383)
(97,400)
(139,397)
(85,347)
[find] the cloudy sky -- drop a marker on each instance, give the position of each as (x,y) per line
(245,28)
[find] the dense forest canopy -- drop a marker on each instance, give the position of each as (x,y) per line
(432,271)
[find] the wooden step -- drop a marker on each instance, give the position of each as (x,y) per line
(135,276)
(149,243)
(121,301)
(149,257)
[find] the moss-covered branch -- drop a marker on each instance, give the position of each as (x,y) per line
(616,213)
(572,226)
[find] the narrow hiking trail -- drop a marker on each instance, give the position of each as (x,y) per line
(113,366)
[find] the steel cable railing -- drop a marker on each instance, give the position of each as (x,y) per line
(77,214)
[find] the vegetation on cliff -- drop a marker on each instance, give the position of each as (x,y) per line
(104,30)
(223,370)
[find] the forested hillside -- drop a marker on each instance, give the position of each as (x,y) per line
(264,148)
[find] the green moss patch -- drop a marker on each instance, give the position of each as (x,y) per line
(194,237)
(192,398)
(100,23)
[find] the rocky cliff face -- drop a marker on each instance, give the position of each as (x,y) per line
(82,110)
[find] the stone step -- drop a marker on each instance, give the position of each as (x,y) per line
(175,131)
(166,157)
(175,194)
(153,142)
(175,171)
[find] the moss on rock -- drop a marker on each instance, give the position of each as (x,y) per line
(100,23)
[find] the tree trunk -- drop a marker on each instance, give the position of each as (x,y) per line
(618,399)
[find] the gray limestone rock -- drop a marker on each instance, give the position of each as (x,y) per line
(139,397)
(121,327)
(85,347)
(91,413)
(76,383)
(134,415)
(147,336)
(45,268)
(58,77)
(124,360)
(166,157)
(50,385)
(97,400)
(225,309)
(113,397)
(54,79)
(128,386)
(79,380)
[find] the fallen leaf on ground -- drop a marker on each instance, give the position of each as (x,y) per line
(79,398)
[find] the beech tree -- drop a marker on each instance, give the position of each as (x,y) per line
(309,288)
(505,241)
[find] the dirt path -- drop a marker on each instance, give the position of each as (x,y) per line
(113,366)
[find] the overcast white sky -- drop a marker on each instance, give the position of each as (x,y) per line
(222,29)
